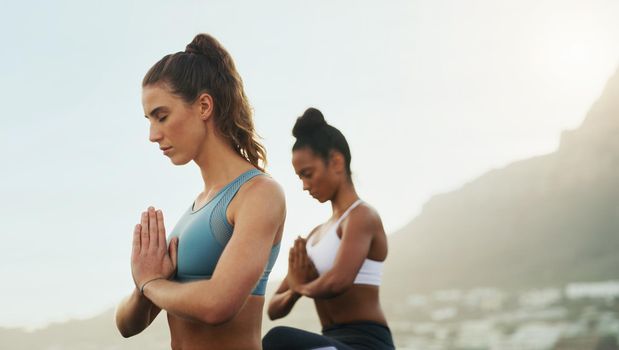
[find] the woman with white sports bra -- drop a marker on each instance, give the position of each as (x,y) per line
(340,263)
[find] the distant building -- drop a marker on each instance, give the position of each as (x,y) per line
(594,290)
(587,343)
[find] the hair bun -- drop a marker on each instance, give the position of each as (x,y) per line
(202,44)
(311,121)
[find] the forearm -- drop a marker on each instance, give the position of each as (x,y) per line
(324,287)
(134,314)
(282,303)
(189,300)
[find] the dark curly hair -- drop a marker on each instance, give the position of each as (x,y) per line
(311,130)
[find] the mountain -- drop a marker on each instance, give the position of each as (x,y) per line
(547,220)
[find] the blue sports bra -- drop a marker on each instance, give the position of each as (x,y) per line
(204,233)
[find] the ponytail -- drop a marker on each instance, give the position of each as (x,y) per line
(206,66)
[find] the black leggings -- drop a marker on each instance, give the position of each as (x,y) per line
(349,336)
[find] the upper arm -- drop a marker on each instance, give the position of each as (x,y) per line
(258,218)
(357,236)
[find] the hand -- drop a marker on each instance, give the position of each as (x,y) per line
(301,270)
(151,258)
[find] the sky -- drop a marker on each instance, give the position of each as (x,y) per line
(430,94)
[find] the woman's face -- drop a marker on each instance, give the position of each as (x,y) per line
(175,125)
(318,178)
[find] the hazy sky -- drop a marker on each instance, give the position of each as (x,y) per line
(430,94)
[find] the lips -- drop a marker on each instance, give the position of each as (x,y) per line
(165,148)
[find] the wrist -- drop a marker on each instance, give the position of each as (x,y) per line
(139,298)
(148,282)
(298,290)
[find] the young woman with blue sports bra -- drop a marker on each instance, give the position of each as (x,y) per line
(210,273)
(340,263)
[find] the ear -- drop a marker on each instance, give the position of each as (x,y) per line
(337,162)
(206,106)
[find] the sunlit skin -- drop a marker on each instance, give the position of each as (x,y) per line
(176,125)
(219,313)
(337,299)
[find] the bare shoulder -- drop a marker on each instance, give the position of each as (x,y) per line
(261,195)
(263,187)
(363,217)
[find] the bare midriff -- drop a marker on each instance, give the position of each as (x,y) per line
(359,303)
(242,332)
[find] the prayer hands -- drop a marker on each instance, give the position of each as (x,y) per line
(301,270)
(151,258)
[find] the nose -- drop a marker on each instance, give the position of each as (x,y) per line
(306,186)
(154,133)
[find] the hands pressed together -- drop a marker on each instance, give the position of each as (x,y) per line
(301,270)
(151,257)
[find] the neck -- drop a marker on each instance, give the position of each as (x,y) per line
(219,163)
(344,198)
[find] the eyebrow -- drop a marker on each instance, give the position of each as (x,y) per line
(155,111)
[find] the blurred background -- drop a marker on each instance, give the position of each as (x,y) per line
(485,132)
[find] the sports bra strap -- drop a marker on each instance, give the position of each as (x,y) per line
(352,206)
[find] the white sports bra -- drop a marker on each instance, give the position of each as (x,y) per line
(324,251)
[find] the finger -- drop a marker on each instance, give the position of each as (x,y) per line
(299,254)
(293,248)
(144,232)
(173,250)
(291,256)
(303,245)
(160,229)
(303,255)
(297,244)
(135,248)
(152,229)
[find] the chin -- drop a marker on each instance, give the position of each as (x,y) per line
(321,200)
(179,161)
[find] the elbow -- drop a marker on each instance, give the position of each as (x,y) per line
(124,331)
(274,314)
(218,318)
(218,314)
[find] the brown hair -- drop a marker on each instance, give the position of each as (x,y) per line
(206,66)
